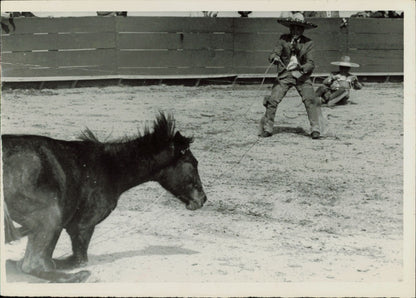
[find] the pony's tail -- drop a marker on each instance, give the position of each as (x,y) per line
(11,233)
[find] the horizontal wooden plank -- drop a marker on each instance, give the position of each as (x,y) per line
(101,57)
(52,72)
(175,41)
(259,70)
(329,41)
(124,77)
(29,59)
(55,41)
(255,41)
(190,58)
(258,59)
(246,74)
(252,25)
(374,68)
(54,59)
(378,60)
(375,25)
(243,58)
(173,24)
(68,24)
(263,41)
(382,54)
(332,25)
(195,71)
(376,41)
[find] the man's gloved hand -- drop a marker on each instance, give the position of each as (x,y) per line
(274,60)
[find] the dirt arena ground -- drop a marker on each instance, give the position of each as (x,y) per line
(281,209)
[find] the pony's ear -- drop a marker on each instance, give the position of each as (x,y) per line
(181,139)
(178,138)
(181,143)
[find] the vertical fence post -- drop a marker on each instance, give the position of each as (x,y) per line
(345,29)
(117,46)
(233,48)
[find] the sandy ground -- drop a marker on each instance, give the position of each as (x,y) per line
(281,209)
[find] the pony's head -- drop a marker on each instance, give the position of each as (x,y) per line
(181,177)
(166,153)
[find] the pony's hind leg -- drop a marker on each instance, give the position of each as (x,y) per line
(41,244)
(46,228)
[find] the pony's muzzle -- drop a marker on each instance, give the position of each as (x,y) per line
(196,203)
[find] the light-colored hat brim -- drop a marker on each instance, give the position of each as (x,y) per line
(290,22)
(347,64)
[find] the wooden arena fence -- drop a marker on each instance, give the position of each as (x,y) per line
(83,48)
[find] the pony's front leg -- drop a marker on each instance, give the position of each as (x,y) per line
(80,239)
(94,210)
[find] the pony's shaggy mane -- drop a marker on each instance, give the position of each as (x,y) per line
(153,141)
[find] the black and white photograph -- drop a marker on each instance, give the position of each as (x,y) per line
(180,148)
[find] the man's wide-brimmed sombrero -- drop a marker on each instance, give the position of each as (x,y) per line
(297,19)
(345,61)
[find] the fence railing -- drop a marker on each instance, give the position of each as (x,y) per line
(180,47)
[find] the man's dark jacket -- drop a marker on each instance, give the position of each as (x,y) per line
(303,50)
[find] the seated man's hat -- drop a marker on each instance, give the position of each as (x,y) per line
(345,61)
(297,19)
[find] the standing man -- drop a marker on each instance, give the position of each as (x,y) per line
(293,57)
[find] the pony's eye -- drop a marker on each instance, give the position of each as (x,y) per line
(183,151)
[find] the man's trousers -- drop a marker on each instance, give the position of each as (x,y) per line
(309,99)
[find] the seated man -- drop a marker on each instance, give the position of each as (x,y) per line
(336,87)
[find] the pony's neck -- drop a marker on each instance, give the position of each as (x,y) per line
(133,164)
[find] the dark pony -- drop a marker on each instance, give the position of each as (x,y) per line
(50,185)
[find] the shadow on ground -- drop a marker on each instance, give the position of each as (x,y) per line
(288,129)
(15,275)
(148,251)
